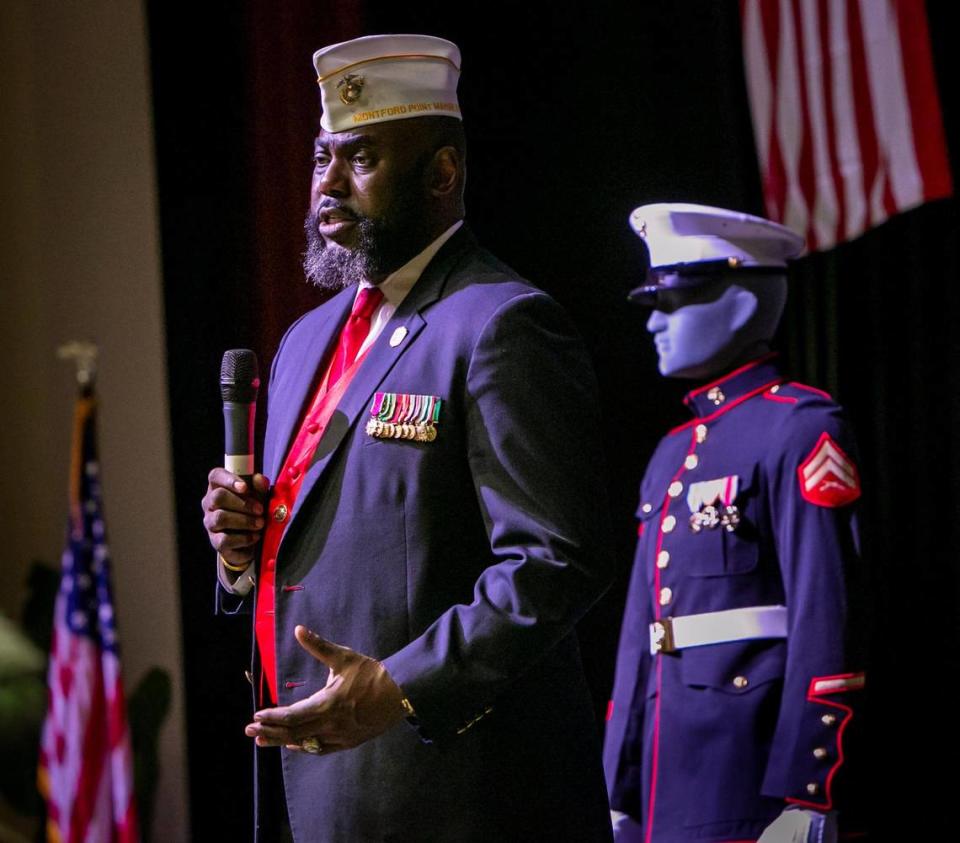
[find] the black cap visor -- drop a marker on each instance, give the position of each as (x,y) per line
(691,277)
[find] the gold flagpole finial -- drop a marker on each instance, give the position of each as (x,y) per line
(84,355)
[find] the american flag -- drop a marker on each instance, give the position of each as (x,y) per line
(845,111)
(86,763)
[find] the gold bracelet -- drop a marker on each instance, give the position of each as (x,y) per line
(236,569)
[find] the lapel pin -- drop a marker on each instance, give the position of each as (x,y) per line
(398,336)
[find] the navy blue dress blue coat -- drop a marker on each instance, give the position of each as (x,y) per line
(461,563)
(713,742)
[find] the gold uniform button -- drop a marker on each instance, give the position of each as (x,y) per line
(666,595)
(691,462)
(663,559)
(647,507)
(676,487)
(668,524)
(775,389)
(716,396)
(828,719)
(813,788)
(280,513)
(820,753)
(701,431)
(740,682)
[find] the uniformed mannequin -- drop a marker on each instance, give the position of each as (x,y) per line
(732,692)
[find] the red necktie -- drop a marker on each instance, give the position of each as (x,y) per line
(354,332)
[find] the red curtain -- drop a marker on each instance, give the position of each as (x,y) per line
(283,110)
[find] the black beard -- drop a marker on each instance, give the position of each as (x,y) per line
(383,245)
(332,268)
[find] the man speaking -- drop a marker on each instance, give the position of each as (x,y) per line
(436,506)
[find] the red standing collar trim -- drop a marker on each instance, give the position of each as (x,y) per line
(726,408)
(746,367)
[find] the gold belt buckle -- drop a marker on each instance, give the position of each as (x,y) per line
(661,636)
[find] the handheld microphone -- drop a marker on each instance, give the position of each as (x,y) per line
(239,382)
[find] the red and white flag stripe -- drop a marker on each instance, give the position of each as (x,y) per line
(845,111)
(85,759)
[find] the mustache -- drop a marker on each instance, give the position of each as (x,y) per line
(329,205)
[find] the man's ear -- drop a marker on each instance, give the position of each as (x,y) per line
(744,307)
(445,171)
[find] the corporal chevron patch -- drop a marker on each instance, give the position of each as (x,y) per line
(828,477)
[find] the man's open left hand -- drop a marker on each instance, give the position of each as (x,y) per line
(359,702)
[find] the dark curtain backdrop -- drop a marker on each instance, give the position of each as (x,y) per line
(574,116)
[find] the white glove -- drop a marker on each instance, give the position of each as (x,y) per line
(798,825)
(625,828)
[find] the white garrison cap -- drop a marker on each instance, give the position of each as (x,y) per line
(387,77)
(678,234)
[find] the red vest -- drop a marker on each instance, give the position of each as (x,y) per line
(287,484)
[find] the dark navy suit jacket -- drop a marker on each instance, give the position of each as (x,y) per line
(461,563)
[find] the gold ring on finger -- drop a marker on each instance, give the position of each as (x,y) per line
(311,745)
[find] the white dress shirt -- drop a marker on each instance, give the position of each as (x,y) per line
(397,284)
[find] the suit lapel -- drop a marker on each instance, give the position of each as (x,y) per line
(382,356)
(299,380)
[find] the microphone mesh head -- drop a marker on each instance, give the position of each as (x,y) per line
(239,376)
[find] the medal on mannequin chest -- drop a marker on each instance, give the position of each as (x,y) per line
(704,492)
(712,504)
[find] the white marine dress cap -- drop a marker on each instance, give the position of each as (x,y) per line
(688,244)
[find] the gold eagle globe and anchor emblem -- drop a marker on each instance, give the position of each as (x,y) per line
(350,88)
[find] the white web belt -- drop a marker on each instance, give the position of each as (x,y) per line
(670,634)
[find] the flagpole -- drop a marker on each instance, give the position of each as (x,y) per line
(84,356)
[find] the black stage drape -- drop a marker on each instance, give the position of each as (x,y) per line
(573,117)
